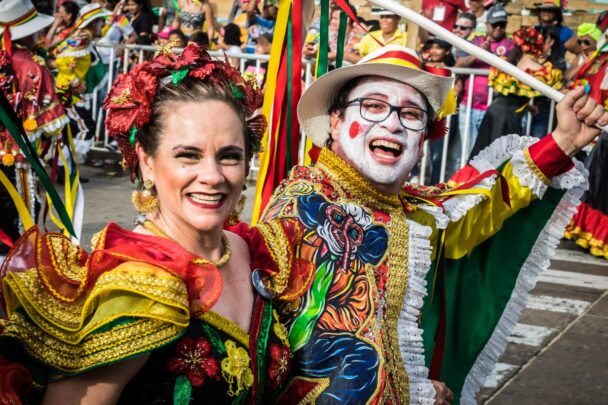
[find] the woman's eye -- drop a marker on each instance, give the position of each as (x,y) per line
(231,158)
(187,156)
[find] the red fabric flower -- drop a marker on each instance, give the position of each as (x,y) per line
(280,364)
(529,40)
(194,361)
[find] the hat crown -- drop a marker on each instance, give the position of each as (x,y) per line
(88,8)
(11,10)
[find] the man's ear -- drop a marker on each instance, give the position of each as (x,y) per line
(145,163)
(335,123)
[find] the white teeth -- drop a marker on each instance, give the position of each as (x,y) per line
(206,198)
(387,144)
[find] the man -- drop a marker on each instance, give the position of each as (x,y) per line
(355,270)
(494,41)
(464,25)
(388,34)
(28,85)
(477,7)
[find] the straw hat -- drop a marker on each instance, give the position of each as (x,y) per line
(89,13)
(21,18)
(392,61)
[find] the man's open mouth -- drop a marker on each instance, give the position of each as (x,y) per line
(385,149)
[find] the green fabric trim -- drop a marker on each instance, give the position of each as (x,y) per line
(182,391)
(262,344)
(478,288)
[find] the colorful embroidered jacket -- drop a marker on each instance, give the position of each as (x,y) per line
(356,323)
(69,312)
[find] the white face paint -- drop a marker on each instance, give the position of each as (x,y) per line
(383,152)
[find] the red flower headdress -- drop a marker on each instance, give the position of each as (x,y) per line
(529,40)
(129,102)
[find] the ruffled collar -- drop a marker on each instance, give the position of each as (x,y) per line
(353,184)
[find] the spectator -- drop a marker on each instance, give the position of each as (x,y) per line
(230,41)
(495,41)
(193,16)
(443,12)
(477,7)
(263,22)
(177,39)
(465,25)
(530,53)
(439,53)
(263,46)
(311,47)
(65,17)
(141,20)
(388,34)
(199,38)
(550,14)
(587,36)
(120,30)
(540,109)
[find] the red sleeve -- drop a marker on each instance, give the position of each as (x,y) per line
(549,157)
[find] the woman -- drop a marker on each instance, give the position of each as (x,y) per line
(532,53)
(151,315)
(192,16)
(63,25)
(587,36)
(142,20)
(589,226)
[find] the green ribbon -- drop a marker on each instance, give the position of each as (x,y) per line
(13,124)
(178,75)
(341,39)
(288,163)
(322,60)
(182,391)
(132,135)
(236,92)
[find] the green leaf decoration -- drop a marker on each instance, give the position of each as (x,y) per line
(132,136)
(217,344)
(178,75)
(182,391)
(236,92)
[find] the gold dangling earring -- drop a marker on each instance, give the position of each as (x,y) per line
(235,216)
(144,201)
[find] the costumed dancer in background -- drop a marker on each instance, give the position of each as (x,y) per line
(532,53)
(29,87)
(589,226)
(167,312)
(379,262)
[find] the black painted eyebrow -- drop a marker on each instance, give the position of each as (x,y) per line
(187,148)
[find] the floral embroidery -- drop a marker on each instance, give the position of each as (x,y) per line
(236,370)
(194,360)
(280,364)
(279,329)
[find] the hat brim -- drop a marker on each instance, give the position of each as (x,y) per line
(316,100)
(38,23)
(89,20)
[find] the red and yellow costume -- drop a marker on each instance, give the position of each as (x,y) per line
(589,226)
(356,320)
(69,312)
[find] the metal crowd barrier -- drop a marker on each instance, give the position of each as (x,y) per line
(121,55)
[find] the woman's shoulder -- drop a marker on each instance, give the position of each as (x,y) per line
(69,311)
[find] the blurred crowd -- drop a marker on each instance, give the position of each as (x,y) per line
(551,51)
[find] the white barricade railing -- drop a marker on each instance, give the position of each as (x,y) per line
(120,57)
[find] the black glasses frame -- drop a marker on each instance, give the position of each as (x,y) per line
(583,42)
(461,27)
(498,24)
(392,108)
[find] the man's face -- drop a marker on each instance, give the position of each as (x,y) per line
(497,30)
(389,23)
(463,27)
(383,152)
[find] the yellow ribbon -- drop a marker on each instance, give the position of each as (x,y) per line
(24,213)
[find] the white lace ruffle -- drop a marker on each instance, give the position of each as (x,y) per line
(537,261)
(54,126)
(409,334)
(75,53)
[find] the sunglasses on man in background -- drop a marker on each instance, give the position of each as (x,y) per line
(585,42)
(502,25)
(462,27)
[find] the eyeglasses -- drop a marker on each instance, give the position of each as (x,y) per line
(374,110)
(585,42)
(502,25)
(462,27)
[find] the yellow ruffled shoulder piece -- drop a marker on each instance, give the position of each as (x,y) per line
(133,308)
(506,84)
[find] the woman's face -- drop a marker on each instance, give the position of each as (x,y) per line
(133,7)
(200,165)
(65,16)
(334,21)
(437,53)
(587,44)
